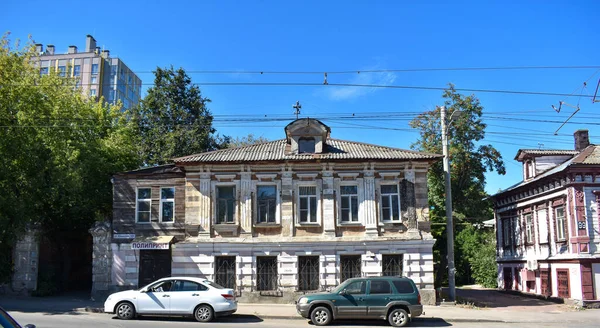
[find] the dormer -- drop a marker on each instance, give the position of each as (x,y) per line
(538,161)
(307,136)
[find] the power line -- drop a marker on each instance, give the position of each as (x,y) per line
(310,84)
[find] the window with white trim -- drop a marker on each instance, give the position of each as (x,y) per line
(143,205)
(266,199)
(349,204)
(307,204)
(390,203)
(561,223)
(225,204)
(529,228)
(167,204)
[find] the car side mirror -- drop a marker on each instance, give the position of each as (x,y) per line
(143,290)
(343,292)
(29,326)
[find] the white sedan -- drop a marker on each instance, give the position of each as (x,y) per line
(174,296)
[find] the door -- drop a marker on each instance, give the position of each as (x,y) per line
(154,265)
(378,297)
(351,304)
(546,287)
(508,279)
(185,295)
(157,299)
(562,281)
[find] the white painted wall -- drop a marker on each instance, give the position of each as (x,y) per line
(596,276)
(593,222)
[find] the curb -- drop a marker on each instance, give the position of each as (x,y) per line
(297,317)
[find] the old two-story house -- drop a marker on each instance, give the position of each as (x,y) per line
(548,224)
(273,220)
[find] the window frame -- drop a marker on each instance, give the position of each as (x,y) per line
(529,228)
(96,72)
(255,208)
(381,195)
(308,276)
(161,201)
(307,142)
(215,198)
(137,205)
(318,202)
(267,275)
(390,257)
(359,220)
(564,223)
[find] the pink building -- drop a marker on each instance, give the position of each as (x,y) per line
(548,224)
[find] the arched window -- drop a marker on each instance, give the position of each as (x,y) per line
(306,145)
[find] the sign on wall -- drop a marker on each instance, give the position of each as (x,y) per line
(148,245)
(124,236)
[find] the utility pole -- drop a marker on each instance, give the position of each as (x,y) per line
(449,223)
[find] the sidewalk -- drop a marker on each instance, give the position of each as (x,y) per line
(76,305)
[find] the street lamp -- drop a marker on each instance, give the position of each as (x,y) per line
(449,223)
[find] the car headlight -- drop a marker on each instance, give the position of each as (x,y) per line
(303,300)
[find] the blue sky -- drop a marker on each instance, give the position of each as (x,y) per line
(329,36)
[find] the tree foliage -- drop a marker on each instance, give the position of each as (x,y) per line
(250,139)
(469,159)
(173,119)
(59,150)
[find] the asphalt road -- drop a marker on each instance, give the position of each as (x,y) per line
(72,320)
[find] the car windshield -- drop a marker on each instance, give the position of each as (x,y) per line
(5,317)
(340,287)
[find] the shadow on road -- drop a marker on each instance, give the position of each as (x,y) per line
(417,322)
(235,318)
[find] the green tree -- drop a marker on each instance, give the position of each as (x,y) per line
(250,139)
(469,161)
(59,150)
(173,119)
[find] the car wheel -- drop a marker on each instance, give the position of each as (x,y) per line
(320,316)
(204,313)
(125,311)
(398,318)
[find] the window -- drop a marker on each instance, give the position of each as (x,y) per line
(225,204)
(144,202)
(380,287)
(77,70)
(62,70)
(561,224)
(349,203)
(167,204)
(266,273)
(507,235)
(390,203)
(308,272)
(267,203)
(350,266)
(403,287)
(93,92)
(225,271)
(307,200)
(188,286)
(94,69)
(306,145)
(392,265)
(529,228)
(356,288)
(162,287)
(94,79)
(43,71)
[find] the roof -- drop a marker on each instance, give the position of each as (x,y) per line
(155,170)
(335,149)
(545,152)
(589,156)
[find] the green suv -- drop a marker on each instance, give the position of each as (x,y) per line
(395,299)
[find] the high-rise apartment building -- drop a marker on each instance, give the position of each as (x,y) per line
(98,74)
